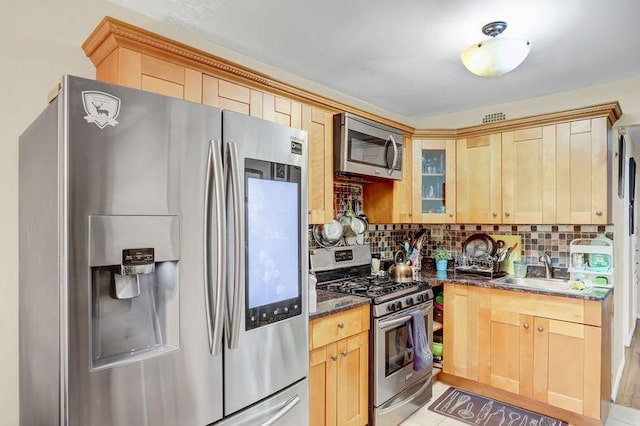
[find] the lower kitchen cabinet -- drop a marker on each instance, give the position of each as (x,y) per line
(549,349)
(339,368)
(462,331)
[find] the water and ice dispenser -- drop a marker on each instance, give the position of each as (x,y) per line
(134,288)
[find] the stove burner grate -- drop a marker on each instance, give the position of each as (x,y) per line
(373,286)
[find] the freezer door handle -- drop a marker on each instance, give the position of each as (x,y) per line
(233,331)
(288,406)
(215,178)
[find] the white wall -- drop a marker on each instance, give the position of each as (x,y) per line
(622,321)
(40,40)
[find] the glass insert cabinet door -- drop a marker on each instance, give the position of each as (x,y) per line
(434,191)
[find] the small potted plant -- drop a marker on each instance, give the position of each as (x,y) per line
(441,255)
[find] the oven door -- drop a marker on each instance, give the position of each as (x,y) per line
(393,362)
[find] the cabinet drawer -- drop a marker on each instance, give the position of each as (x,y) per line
(338,326)
(538,305)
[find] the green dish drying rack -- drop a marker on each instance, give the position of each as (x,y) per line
(591,260)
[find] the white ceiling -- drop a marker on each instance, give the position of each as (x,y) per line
(404,56)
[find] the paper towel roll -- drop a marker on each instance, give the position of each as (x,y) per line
(313,296)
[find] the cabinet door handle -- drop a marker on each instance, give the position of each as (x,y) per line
(450,214)
(507,214)
(334,357)
(599,213)
(540,328)
(341,325)
(345,353)
(526,326)
(494,214)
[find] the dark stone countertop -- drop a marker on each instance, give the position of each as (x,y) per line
(330,302)
(589,293)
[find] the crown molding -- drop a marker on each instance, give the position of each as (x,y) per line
(112,33)
(435,134)
(610,110)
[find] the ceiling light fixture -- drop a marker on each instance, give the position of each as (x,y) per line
(495,56)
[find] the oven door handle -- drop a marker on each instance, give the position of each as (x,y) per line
(383,325)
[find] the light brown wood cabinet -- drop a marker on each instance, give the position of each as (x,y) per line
(479,179)
(338,368)
(434,180)
(558,173)
(529,175)
(391,201)
(462,331)
(583,171)
(550,349)
(319,124)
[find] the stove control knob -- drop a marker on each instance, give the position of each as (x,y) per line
(420,297)
(398,305)
(391,307)
(410,301)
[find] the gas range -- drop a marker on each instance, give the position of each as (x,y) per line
(347,270)
(395,389)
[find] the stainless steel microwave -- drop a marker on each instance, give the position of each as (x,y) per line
(362,147)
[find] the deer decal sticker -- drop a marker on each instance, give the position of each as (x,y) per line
(101,108)
(100,111)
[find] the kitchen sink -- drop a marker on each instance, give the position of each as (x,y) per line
(537,283)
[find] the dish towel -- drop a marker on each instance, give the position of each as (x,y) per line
(417,340)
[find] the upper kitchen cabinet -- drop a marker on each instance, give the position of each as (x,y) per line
(549,169)
(479,183)
(319,125)
(557,174)
(583,172)
(390,201)
(529,175)
(434,181)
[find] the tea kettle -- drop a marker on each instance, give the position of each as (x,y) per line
(400,272)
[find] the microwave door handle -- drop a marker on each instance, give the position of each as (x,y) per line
(395,154)
(238,255)
(215,323)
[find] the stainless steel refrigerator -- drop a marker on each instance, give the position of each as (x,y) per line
(162,257)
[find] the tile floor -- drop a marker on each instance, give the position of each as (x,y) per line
(619,415)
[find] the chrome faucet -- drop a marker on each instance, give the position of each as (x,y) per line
(546,259)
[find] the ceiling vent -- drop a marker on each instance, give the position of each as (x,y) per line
(492,118)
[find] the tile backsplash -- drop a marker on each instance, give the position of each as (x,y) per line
(536,239)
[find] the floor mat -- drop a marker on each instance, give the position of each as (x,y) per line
(474,409)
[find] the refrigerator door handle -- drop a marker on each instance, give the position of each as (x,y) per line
(288,406)
(239,247)
(215,322)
